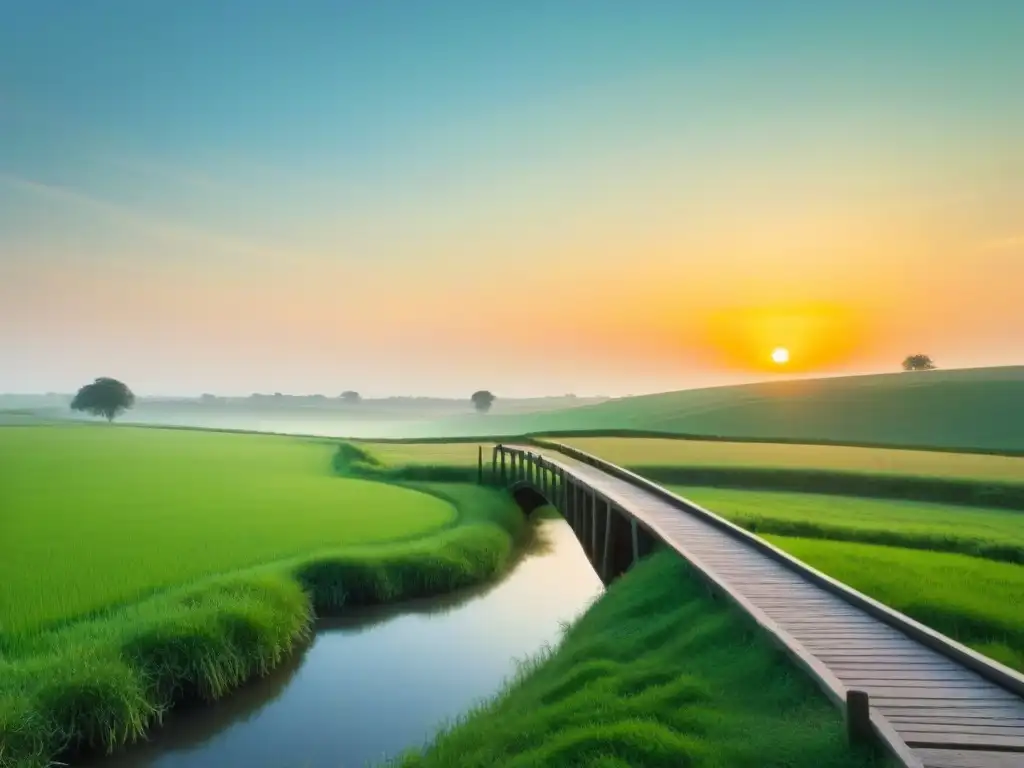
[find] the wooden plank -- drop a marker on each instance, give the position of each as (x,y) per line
(840,636)
(914,682)
(990,694)
(985,729)
(948,758)
(947,721)
(861,644)
(952,740)
(916,707)
(936,666)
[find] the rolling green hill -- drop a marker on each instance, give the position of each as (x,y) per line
(977,408)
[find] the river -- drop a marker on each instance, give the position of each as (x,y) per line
(380,681)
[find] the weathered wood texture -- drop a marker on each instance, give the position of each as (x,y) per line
(931,702)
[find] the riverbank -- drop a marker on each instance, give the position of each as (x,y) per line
(103,679)
(656,673)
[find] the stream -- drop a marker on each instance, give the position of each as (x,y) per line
(380,681)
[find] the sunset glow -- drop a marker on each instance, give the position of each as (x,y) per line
(503,197)
(780,355)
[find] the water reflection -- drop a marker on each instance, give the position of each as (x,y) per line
(373,684)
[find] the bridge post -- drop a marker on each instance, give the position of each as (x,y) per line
(573,505)
(601,512)
(643,541)
(605,570)
(581,520)
(636,540)
(494,465)
(858,718)
(566,508)
(618,546)
(581,513)
(589,542)
(480,465)
(504,474)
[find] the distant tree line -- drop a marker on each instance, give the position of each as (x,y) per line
(109,398)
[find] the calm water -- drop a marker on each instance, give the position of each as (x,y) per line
(377,683)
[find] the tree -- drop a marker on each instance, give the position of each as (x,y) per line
(483,400)
(918,363)
(350,396)
(104,397)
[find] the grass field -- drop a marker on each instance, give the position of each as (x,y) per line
(972,600)
(448,454)
(994,534)
(973,408)
(937,567)
(654,452)
(654,674)
(238,540)
(950,478)
(96,516)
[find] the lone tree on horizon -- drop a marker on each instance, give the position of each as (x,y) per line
(918,363)
(483,400)
(351,396)
(104,397)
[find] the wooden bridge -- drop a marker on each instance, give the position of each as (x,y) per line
(929,701)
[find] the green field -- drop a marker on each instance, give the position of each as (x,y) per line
(654,452)
(937,568)
(461,454)
(98,516)
(972,600)
(654,674)
(960,409)
(995,534)
(140,566)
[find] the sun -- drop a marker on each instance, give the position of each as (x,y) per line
(780,355)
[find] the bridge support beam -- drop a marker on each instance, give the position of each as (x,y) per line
(643,541)
(587,540)
(618,545)
(577,511)
(602,508)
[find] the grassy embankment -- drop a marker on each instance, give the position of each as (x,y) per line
(957,568)
(142,567)
(976,409)
(656,673)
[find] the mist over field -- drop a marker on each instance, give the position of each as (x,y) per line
(397,417)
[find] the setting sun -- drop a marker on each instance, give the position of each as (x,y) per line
(780,355)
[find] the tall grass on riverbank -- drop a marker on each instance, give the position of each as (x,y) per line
(656,673)
(102,679)
(100,683)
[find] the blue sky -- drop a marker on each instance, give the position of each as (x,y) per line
(314,196)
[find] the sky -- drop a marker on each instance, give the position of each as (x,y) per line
(534,197)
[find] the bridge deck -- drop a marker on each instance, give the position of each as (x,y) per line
(948,715)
